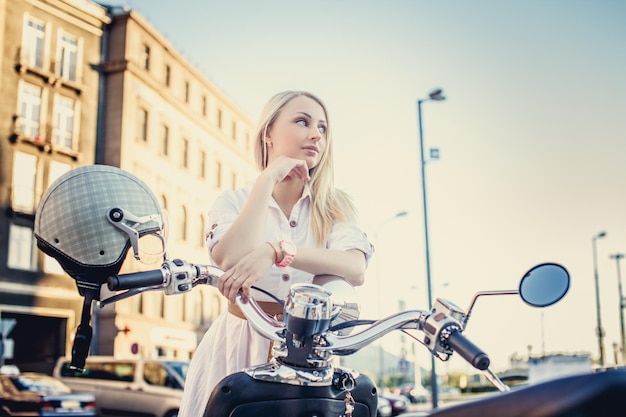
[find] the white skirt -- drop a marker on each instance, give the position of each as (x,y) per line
(229,346)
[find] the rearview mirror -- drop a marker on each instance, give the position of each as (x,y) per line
(544,284)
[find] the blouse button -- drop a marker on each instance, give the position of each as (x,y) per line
(293,223)
(285,277)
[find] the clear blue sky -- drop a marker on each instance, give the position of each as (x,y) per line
(532,139)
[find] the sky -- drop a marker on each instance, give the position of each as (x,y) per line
(531,136)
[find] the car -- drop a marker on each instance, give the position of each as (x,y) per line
(134,386)
(399,403)
(384,407)
(415,394)
(35,394)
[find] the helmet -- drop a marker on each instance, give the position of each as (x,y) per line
(89,218)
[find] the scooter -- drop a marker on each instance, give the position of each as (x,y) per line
(320,322)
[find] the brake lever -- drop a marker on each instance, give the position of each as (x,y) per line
(128,293)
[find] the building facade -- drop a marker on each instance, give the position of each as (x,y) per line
(166,123)
(48,118)
(82,83)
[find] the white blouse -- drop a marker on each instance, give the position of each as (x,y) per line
(296,228)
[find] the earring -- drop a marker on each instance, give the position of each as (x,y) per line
(269,144)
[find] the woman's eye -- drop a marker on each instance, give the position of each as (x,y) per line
(322,129)
(301,122)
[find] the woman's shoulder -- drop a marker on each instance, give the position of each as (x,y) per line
(237,193)
(345,206)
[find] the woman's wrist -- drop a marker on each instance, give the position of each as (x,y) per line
(274,252)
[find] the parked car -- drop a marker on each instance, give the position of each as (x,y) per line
(128,386)
(399,403)
(415,394)
(384,407)
(35,394)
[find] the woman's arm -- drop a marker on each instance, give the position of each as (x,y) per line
(247,231)
(349,264)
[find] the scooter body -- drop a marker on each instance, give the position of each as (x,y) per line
(240,395)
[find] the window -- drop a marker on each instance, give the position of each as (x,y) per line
(33,43)
(218,174)
(202,167)
(165,139)
(22,250)
(68,53)
(233,180)
(204,105)
(185,153)
(168,75)
(29,99)
(234,130)
(183,223)
(219,118)
(142,125)
(193,308)
(63,128)
(156,374)
(145,57)
(201,232)
(55,170)
(186,91)
(23,187)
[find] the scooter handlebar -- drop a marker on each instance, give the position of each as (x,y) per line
(156,277)
(468,350)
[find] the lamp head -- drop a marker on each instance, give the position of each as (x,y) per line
(437,95)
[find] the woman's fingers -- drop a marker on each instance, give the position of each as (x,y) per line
(284,167)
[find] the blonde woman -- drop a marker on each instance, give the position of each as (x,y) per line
(287,226)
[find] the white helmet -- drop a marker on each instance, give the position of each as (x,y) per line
(89,218)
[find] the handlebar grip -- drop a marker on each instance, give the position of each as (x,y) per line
(136,280)
(468,350)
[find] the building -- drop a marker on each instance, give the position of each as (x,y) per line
(48,118)
(83,83)
(164,122)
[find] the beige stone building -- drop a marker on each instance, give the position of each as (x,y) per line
(48,119)
(83,84)
(167,124)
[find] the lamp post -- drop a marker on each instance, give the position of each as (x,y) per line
(435,95)
(599,330)
(381,360)
(618,257)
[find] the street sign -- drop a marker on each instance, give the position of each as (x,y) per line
(6,344)
(6,325)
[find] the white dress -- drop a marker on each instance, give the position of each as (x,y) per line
(231,344)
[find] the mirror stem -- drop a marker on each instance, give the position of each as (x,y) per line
(468,312)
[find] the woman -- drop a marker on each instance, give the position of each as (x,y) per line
(287,226)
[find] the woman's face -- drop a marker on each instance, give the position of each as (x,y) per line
(299,131)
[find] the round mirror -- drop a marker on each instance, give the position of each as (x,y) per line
(544,284)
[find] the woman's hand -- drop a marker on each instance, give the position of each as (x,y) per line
(246,272)
(283,167)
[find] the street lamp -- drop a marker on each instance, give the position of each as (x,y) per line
(381,360)
(435,95)
(599,330)
(617,257)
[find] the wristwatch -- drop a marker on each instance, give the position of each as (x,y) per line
(289,251)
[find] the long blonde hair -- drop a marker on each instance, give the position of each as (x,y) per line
(328,203)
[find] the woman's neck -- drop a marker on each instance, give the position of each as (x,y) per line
(287,193)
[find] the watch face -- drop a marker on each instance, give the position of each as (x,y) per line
(288,247)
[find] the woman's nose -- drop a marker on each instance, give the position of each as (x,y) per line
(316,133)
